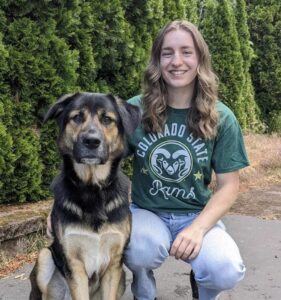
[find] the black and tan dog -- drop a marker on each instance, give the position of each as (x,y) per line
(90,217)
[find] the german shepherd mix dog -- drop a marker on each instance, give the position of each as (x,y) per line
(90,218)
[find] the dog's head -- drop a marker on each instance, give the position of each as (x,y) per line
(93,127)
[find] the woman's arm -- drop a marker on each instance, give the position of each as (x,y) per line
(188,242)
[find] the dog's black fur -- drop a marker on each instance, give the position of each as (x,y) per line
(90,216)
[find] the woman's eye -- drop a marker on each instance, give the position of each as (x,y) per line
(78,119)
(166,54)
(106,120)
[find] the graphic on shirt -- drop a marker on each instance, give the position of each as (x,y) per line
(198,175)
(171,161)
(144,171)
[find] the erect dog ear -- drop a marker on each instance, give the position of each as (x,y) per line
(130,115)
(55,111)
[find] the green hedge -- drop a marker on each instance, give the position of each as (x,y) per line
(265,27)
(48,48)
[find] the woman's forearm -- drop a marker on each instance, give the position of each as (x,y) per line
(220,203)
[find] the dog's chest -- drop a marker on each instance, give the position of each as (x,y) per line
(94,249)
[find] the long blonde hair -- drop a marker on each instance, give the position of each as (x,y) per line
(202,118)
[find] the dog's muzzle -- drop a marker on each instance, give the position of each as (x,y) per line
(90,149)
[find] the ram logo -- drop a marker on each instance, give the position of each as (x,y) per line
(171,161)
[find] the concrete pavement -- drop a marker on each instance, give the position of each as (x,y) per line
(260,245)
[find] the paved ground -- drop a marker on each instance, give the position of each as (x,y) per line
(260,245)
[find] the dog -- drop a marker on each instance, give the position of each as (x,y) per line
(90,218)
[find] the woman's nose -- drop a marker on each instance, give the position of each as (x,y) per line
(177,59)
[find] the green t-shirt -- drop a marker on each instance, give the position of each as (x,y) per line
(172,170)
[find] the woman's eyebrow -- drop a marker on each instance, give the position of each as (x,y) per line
(183,47)
(167,48)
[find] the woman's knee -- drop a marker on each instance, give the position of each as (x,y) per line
(223,275)
(219,264)
(149,254)
(229,277)
(149,242)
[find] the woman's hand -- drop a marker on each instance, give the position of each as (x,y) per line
(188,243)
(49,227)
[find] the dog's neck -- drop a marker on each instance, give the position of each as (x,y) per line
(94,202)
(92,174)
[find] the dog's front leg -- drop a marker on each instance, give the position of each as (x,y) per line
(112,285)
(78,280)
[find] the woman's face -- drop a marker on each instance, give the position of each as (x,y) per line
(178,60)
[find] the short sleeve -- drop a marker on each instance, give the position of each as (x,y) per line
(229,153)
(136,100)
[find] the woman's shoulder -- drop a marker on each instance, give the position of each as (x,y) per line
(136,100)
(223,108)
(225,113)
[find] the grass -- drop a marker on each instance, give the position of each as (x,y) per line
(264,152)
(30,246)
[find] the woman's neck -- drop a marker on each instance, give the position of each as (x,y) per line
(180,98)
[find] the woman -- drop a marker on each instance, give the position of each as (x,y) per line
(186,133)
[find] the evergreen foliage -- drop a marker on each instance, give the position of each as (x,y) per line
(7,157)
(81,38)
(114,48)
(192,11)
(25,185)
(145,19)
(219,29)
(174,10)
(49,48)
(41,68)
(265,28)
(248,104)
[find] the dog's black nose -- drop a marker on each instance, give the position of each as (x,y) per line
(91,142)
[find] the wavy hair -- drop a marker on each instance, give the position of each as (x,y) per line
(202,118)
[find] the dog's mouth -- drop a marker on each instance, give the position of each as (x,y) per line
(91,161)
(90,158)
(84,156)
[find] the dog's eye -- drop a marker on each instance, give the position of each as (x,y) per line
(106,120)
(78,119)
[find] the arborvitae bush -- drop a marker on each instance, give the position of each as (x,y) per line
(265,23)
(218,26)
(174,10)
(113,47)
(49,155)
(7,158)
(252,112)
(191,11)
(26,182)
(42,67)
(145,19)
(49,48)
(274,123)
(83,42)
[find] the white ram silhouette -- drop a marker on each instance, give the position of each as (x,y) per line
(163,161)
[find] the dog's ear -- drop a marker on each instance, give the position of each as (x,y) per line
(56,110)
(130,115)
